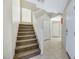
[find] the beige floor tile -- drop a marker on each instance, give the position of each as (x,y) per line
(53,50)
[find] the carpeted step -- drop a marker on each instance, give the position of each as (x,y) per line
(25,30)
(22,48)
(26,55)
(26,33)
(25,24)
(26,37)
(25,42)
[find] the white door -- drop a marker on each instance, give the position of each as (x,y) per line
(56,29)
(70,31)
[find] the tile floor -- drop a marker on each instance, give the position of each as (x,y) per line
(53,49)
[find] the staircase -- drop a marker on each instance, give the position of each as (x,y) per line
(26,44)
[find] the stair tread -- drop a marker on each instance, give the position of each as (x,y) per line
(25,29)
(25,35)
(25,40)
(25,53)
(25,24)
(27,32)
(24,46)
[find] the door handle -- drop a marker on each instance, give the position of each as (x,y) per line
(74,33)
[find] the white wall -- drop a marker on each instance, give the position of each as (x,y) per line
(7,25)
(11,20)
(46,26)
(15,22)
(38,22)
(70,27)
(15,10)
(38,32)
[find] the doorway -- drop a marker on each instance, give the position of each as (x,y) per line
(26,15)
(56,27)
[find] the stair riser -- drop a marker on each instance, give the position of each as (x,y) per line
(23,27)
(28,56)
(25,38)
(26,43)
(30,33)
(25,30)
(26,49)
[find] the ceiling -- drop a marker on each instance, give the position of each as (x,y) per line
(54,6)
(28,5)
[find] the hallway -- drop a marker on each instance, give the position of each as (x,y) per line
(41,14)
(56,50)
